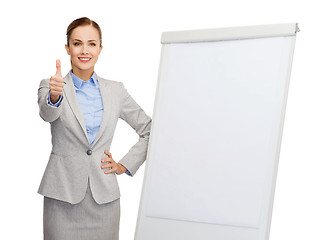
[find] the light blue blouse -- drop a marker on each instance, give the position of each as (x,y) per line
(90,100)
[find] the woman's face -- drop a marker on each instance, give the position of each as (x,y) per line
(84,48)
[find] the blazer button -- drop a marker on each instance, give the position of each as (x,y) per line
(89,152)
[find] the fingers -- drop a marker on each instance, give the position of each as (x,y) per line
(110,164)
(107,160)
(56,87)
(58,66)
(111,167)
(115,168)
(108,153)
(56,83)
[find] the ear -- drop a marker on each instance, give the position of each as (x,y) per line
(67,49)
(101,48)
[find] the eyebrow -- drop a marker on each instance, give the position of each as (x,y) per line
(78,40)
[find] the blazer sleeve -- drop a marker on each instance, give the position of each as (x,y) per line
(134,115)
(48,113)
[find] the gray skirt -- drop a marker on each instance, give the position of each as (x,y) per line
(86,220)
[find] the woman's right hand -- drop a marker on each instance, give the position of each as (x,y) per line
(56,84)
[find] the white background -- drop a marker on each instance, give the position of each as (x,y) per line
(33,37)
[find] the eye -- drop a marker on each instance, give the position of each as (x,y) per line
(93,44)
(76,44)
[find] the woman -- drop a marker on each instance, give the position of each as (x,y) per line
(81,193)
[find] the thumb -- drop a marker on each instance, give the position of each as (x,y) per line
(58,66)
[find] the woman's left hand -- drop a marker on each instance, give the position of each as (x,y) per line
(115,167)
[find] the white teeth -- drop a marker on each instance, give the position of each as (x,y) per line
(84,59)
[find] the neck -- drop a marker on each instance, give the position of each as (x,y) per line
(83,74)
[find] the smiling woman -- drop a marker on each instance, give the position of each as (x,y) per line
(80,189)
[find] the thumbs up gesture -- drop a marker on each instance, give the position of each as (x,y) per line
(56,84)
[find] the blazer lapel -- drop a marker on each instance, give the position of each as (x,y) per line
(106,96)
(70,95)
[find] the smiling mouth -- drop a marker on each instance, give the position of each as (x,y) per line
(84,59)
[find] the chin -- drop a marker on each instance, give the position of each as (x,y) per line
(82,67)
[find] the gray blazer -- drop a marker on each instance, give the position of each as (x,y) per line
(72,160)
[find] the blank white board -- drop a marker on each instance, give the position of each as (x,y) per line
(216,133)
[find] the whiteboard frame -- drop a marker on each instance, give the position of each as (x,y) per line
(233,33)
(208,35)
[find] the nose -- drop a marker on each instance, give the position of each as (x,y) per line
(84,49)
